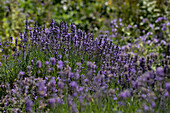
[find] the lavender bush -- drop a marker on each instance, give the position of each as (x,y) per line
(153,38)
(64,69)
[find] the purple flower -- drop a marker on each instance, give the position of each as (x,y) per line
(77,75)
(52,82)
(148,42)
(28,105)
(60,85)
(166,94)
(58,100)
(78,64)
(46,78)
(29,68)
(52,102)
(86,80)
(16,41)
(151,26)
(60,64)
(32,62)
(124,94)
(21,74)
(38,64)
(70,75)
(156,40)
(75,94)
(11,38)
(167,86)
(115,98)
(146,108)
(160,71)
(119,112)
(163,42)
(53,61)
(74,108)
(52,69)
(89,64)
(42,89)
(73,84)
(144,20)
(158,19)
(14,91)
(153,104)
(120,20)
(135,26)
(46,63)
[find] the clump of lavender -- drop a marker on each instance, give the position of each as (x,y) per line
(65,68)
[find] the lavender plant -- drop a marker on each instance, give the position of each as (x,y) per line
(64,69)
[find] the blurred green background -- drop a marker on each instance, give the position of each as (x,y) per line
(89,15)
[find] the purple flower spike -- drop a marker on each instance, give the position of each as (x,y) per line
(60,64)
(16,41)
(53,61)
(167,86)
(11,38)
(28,105)
(42,89)
(21,74)
(58,101)
(160,71)
(32,62)
(52,102)
(60,85)
(38,64)
(124,94)
(52,82)
(73,84)
(115,98)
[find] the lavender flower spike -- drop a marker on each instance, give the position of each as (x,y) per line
(53,61)
(38,64)
(28,105)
